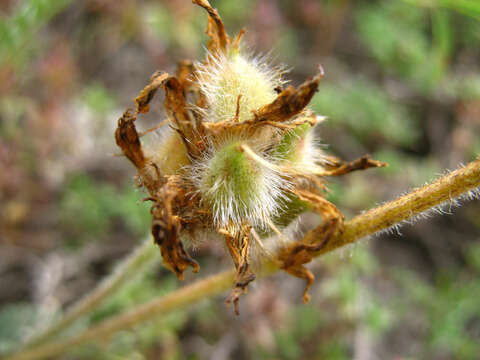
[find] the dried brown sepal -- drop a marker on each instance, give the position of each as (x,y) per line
(296,268)
(296,255)
(154,128)
(168,195)
(337,167)
(142,101)
(238,38)
(215,28)
(332,220)
(185,76)
(237,111)
(306,118)
(289,102)
(239,245)
(176,103)
(166,227)
(127,139)
(176,106)
(184,71)
(233,126)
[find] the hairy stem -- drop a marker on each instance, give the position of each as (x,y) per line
(165,304)
(444,189)
(131,266)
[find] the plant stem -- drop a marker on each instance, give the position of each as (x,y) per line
(175,300)
(131,266)
(444,189)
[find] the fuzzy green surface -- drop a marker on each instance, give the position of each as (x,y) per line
(291,207)
(287,148)
(236,76)
(232,179)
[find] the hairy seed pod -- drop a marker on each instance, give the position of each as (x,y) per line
(237,188)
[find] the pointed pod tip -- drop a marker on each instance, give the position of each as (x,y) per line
(321,71)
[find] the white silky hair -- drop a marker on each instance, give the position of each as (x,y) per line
(227,207)
(445,208)
(222,78)
(311,157)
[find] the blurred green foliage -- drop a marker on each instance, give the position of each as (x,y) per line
(18,31)
(90,209)
(405,47)
(98,99)
(366,112)
(16,320)
(448,309)
(469,8)
(13,109)
(129,344)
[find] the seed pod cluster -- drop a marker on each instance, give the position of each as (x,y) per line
(240,160)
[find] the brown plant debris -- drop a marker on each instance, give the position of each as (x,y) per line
(290,101)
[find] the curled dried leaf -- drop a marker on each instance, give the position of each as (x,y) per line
(127,138)
(142,101)
(338,167)
(184,71)
(290,101)
(215,28)
(176,106)
(166,227)
(239,247)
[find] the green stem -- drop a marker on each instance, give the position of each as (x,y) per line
(131,266)
(165,304)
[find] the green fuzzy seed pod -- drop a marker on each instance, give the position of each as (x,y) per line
(227,77)
(291,207)
(242,79)
(289,147)
(232,184)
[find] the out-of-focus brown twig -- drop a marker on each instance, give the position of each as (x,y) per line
(443,190)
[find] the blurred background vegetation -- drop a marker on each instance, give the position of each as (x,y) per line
(402,83)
